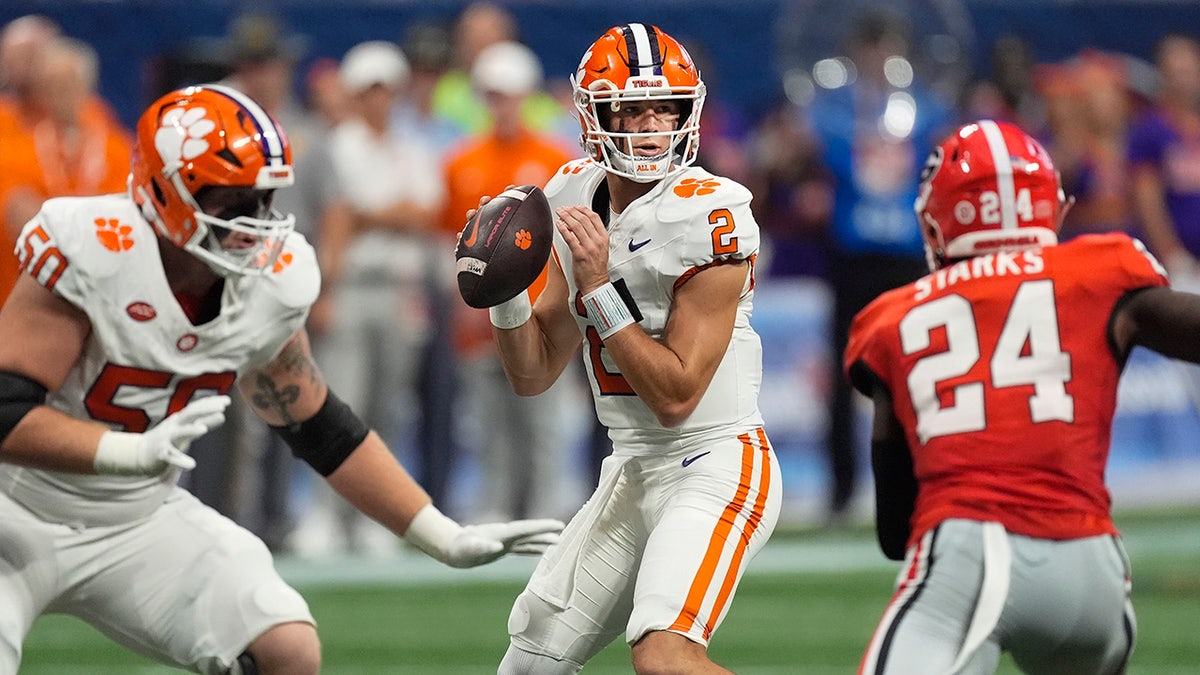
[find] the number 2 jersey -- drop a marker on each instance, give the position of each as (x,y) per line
(144,359)
(1003,376)
(688,222)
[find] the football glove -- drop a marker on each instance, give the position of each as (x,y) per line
(156,450)
(445,540)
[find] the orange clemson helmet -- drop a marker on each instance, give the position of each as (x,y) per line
(988,186)
(637,62)
(213,146)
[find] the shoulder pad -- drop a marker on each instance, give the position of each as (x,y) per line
(1131,264)
(563,177)
(696,192)
(713,212)
(296,278)
(72,239)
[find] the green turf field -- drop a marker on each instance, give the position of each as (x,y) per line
(807,606)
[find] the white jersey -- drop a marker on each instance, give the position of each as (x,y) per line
(144,359)
(689,221)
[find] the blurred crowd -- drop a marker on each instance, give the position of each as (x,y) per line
(395,140)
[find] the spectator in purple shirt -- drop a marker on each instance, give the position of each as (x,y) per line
(1164,161)
(1164,165)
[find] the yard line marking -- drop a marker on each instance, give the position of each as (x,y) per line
(784,556)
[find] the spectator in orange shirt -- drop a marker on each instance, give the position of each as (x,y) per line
(63,142)
(522,459)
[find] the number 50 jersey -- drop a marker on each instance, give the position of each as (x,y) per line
(688,222)
(144,359)
(1002,374)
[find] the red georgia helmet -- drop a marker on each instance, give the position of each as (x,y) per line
(637,62)
(988,186)
(211,136)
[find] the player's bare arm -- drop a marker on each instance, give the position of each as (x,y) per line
(671,376)
(289,389)
(290,394)
(535,343)
(41,336)
(535,353)
(1164,320)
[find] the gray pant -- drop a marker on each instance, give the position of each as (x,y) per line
(970,591)
(521,443)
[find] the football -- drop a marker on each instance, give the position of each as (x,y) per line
(504,246)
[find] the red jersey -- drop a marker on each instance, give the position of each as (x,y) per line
(1003,377)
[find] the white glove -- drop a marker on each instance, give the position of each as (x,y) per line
(153,452)
(457,546)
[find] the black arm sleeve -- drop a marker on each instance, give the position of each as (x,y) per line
(327,438)
(895,495)
(18,395)
(892,465)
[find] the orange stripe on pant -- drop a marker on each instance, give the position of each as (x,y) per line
(716,544)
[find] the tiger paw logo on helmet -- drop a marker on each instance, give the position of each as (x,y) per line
(182,133)
(113,235)
(690,187)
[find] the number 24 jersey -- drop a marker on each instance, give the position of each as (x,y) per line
(1003,377)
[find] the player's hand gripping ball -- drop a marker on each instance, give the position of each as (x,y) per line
(504,246)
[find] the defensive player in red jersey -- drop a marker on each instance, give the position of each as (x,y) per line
(994,381)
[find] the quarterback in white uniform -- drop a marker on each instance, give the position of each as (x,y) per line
(134,316)
(653,265)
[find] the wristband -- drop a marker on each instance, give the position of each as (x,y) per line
(117,453)
(607,310)
(511,313)
(432,531)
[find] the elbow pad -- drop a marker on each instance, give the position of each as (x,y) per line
(18,395)
(327,438)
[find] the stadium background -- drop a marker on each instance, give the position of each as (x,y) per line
(752,42)
(825,587)
(750,47)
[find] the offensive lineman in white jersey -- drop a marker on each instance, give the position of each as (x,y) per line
(133,317)
(653,266)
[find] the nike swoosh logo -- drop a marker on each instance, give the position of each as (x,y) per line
(635,246)
(687,461)
(470,240)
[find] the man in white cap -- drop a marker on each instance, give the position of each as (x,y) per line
(375,238)
(523,459)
